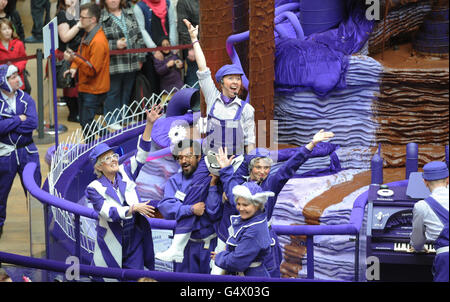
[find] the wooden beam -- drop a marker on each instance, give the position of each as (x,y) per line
(261,61)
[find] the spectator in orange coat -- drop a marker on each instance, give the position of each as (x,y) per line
(93,72)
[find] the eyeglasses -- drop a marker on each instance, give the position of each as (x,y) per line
(109,158)
(186,157)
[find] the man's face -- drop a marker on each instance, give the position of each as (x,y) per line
(260,170)
(85,20)
(188,161)
(231,84)
(15,82)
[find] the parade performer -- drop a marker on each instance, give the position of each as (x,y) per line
(203,240)
(124,239)
(231,121)
(18,120)
(249,241)
(259,166)
(430,218)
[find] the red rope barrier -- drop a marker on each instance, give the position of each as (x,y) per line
(139,50)
(111,52)
(9,61)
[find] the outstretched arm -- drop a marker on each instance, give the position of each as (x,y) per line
(288,169)
(319,137)
(199,55)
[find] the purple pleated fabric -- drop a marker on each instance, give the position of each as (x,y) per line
(320,62)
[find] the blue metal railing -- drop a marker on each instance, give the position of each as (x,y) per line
(351,228)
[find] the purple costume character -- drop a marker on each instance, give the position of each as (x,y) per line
(18,119)
(430,218)
(203,239)
(274,182)
(124,238)
(249,241)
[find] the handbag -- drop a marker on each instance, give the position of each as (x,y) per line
(64,65)
(61,81)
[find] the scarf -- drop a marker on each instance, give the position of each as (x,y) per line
(226,99)
(159,8)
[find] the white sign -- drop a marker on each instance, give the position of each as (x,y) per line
(48,38)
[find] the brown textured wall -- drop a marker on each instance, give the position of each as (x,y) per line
(241,24)
(261,60)
(413,106)
(215,27)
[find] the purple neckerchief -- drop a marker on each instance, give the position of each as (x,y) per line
(226,99)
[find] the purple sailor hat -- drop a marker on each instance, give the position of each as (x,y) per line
(435,170)
(99,150)
(227,70)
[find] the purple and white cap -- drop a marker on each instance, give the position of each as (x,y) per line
(252,192)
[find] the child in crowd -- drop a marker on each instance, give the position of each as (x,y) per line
(168,67)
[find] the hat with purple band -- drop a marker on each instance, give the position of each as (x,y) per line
(101,149)
(435,170)
(227,70)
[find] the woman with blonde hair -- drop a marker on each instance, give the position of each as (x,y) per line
(124,238)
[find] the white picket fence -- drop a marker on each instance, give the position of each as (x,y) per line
(76,145)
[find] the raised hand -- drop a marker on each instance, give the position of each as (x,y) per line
(322,136)
(193,31)
(154,113)
(222,158)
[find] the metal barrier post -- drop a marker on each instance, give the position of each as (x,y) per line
(41,138)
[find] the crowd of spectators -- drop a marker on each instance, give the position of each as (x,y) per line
(127,24)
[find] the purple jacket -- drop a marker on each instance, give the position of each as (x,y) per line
(169,77)
(12,130)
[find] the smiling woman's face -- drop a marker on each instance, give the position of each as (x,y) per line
(246,208)
(109,163)
(231,84)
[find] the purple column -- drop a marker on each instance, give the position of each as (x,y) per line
(412,158)
(376,166)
